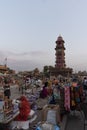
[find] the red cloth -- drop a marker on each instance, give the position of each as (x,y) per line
(24,109)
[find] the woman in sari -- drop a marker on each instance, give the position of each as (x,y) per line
(24,108)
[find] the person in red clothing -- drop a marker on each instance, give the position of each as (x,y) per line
(24,108)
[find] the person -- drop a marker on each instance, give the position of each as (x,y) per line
(7,91)
(85,83)
(24,109)
(44,92)
(52,99)
(21,121)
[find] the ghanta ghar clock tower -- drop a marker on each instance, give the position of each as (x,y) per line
(60,65)
(60,54)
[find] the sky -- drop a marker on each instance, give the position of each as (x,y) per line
(29,29)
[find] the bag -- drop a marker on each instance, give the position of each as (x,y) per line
(47,126)
(51,108)
(51,117)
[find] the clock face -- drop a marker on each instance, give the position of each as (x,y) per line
(59,50)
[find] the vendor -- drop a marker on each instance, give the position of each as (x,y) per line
(7,91)
(44,92)
(24,109)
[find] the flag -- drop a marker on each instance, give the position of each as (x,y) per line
(6,59)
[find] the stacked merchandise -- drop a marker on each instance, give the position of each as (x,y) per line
(50,118)
(8,108)
(31,98)
(15,106)
(51,113)
(32,95)
(1,104)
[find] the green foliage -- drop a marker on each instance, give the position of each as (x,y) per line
(46,70)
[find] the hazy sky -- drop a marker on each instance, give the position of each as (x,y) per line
(29,29)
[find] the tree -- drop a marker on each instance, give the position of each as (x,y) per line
(46,70)
(36,71)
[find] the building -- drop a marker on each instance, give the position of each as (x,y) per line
(3,69)
(60,65)
(6,70)
(60,54)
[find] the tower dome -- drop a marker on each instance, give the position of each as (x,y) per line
(60,39)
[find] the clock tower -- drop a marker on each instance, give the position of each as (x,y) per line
(60,65)
(60,54)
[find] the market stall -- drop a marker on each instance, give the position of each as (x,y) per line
(8,110)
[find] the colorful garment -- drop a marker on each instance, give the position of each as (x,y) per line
(76,96)
(24,109)
(67,98)
(44,92)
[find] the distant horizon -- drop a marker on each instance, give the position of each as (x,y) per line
(41,69)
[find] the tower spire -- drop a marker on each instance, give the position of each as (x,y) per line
(60,54)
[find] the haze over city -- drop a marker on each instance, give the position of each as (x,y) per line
(29,29)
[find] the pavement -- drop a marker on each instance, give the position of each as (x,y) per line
(64,122)
(75,120)
(15,93)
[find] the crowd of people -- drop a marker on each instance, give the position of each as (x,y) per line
(68,93)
